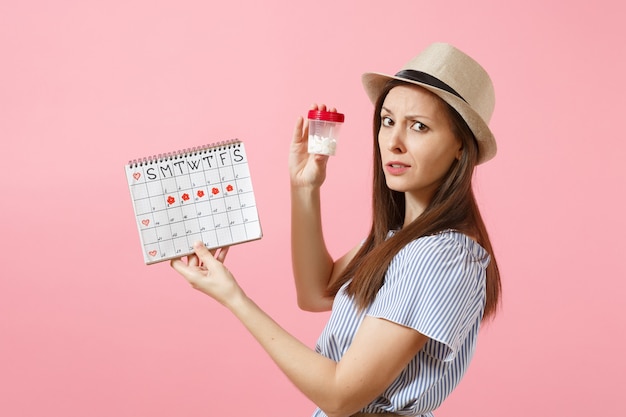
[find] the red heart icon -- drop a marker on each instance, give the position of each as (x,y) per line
(136,175)
(145,222)
(152,253)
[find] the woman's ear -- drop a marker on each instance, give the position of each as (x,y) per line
(459,153)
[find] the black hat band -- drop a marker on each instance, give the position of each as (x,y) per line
(422,77)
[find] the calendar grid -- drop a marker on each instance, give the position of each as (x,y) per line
(200,194)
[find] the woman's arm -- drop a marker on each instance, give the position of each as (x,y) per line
(379,352)
(313,266)
(311,262)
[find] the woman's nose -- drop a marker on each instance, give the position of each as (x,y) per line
(395,142)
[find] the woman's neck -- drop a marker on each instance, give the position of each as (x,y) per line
(413,207)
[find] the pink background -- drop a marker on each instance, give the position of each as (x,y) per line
(87,330)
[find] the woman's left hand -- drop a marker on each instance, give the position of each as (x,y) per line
(205,271)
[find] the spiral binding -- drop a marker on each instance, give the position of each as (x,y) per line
(182,153)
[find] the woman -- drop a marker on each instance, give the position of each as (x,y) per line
(408,301)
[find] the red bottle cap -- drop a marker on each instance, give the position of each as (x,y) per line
(327,116)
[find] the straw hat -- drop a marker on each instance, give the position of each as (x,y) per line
(458,80)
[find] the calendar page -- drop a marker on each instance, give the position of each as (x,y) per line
(197,194)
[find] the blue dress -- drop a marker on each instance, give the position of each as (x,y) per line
(435,285)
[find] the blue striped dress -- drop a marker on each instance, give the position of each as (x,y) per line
(435,285)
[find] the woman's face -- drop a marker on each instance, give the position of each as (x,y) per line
(416,142)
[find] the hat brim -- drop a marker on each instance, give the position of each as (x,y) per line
(374,82)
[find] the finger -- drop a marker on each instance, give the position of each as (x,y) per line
(298,131)
(321,160)
(332,109)
(178,265)
(221,256)
(192,260)
(205,256)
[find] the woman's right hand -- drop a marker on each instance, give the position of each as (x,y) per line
(306,170)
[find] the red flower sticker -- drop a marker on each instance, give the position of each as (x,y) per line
(200,193)
(229,188)
(185,196)
(171,200)
(215,191)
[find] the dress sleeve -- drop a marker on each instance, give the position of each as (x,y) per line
(435,285)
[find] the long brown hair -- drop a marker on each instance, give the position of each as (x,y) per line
(453,206)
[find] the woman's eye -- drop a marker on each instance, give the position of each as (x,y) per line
(387,121)
(419,126)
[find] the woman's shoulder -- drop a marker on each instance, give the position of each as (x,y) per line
(447,242)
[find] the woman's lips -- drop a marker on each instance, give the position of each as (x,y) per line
(396,168)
